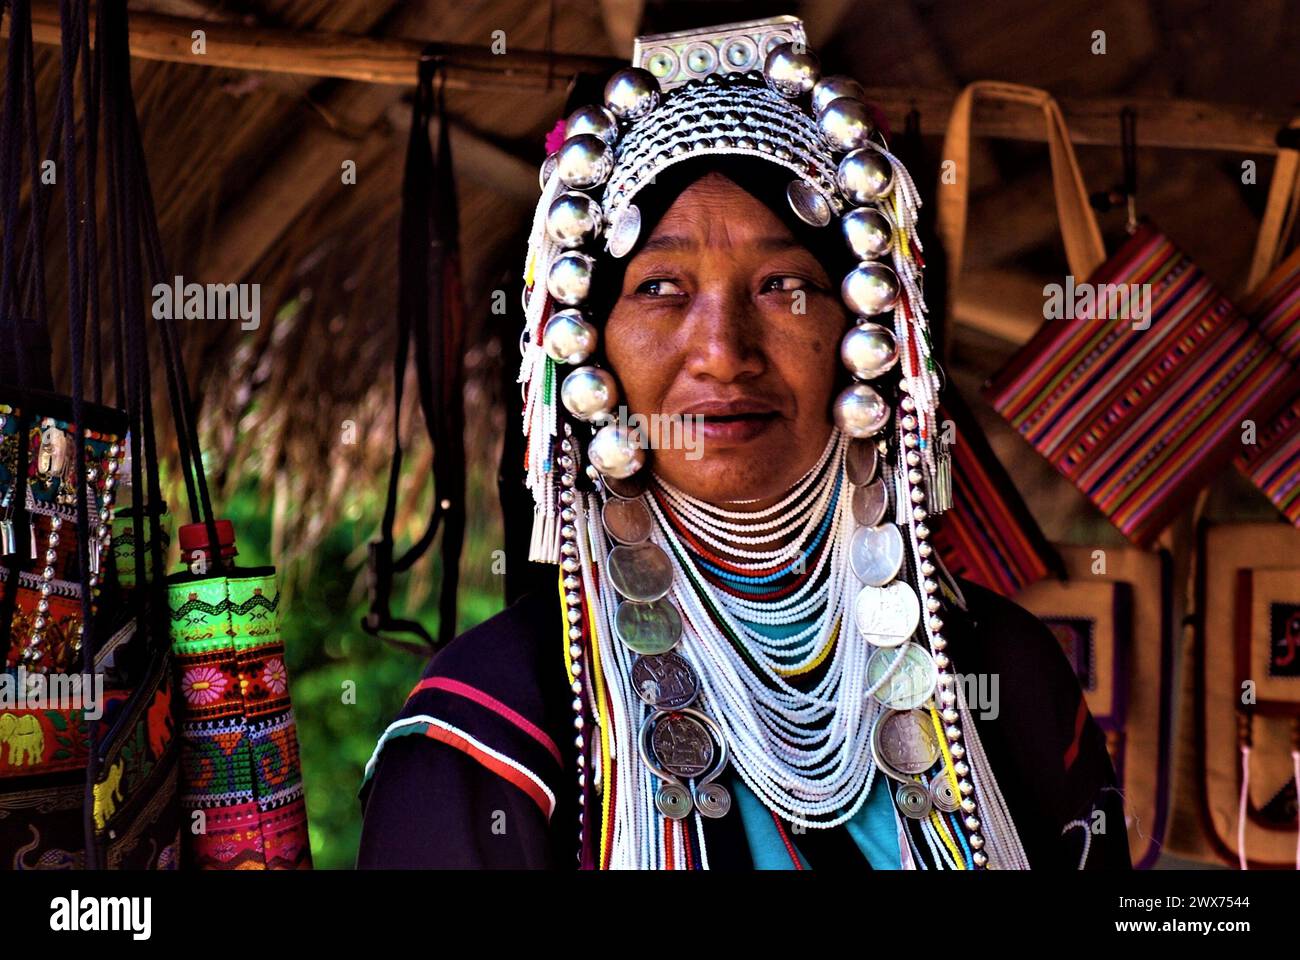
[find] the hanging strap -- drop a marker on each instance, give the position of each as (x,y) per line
(1281,209)
(1084,249)
(138,272)
(184,413)
(22,283)
(10,178)
(429,299)
(73,19)
(31,274)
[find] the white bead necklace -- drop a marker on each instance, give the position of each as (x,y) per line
(806,754)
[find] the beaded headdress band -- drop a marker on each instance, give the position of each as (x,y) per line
(746,89)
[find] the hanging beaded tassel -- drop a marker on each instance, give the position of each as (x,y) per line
(538,375)
(920,372)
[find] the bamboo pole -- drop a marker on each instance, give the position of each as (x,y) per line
(343,56)
(1162,122)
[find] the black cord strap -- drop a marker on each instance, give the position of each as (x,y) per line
(429,300)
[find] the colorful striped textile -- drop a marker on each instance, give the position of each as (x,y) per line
(1273,463)
(485,728)
(988,536)
(505,767)
(240,763)
(1139,419)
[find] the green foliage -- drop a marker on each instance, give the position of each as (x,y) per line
(328,653)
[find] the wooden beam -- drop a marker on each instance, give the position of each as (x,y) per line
(344,56)
(1162,122)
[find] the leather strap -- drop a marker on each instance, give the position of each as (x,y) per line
(429,317)
(1279,214)
(1083,245)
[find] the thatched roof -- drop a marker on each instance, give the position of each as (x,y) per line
(246,174)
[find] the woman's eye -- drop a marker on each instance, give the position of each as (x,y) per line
(659,288)
(784,284)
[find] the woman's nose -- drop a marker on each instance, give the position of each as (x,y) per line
(723,335)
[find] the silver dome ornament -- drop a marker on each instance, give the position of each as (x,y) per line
(832,88)
(584,161)
(864,176)
(589,393)
(631,93)
(615,452)
(868,232)
(594,119)
(870,289)
(860,411)
(573,219)
(791,71)
(568,337)
(808,205)
(869,351)
(846,123)
(569,279)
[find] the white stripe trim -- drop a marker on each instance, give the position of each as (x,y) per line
(495,754)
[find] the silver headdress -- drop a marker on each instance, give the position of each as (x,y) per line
(748,89)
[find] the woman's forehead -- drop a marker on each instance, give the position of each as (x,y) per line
(714,209)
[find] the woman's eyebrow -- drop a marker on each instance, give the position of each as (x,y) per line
(668,243)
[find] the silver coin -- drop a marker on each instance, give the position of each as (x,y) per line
(913,680)
(876,553)
(913,800)
(625,488)
(905,741)
(665,681)
(870,502)
(640,571)
(943,795)
(808,205)
(623,233)
(627,521)
(682,745)
(673,801)
(860,461)
(887,616)
(648,628)
(713,800)
(883,767)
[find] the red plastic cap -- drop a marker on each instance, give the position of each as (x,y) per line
(194,539)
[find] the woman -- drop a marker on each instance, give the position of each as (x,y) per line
(755,659)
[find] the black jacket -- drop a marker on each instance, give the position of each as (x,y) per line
(480,768)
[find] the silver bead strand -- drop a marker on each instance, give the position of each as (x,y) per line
(573,607)
(933,620)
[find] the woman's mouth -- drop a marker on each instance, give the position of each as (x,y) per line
(733,422)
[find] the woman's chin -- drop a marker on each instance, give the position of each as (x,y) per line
(725,474)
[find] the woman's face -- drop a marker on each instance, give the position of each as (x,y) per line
(723,314)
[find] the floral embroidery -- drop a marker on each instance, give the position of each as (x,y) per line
(203,685)
(275,676)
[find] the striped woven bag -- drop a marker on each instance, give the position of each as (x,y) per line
(1138,414)
(1273,463)
(1139,419)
